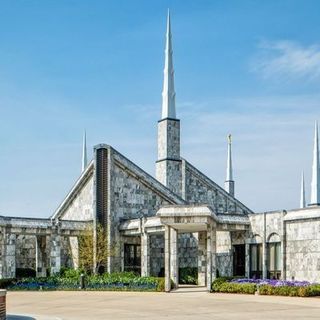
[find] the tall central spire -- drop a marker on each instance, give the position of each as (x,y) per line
(169,164)
(315,183)
(168,93)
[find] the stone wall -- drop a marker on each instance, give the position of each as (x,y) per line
(197,188)
(26,251)
(224,254)
(133,193)
(303,250)
(188,250)
(300,240)
(81,206)
(168,166)
(168,172)
(157,255)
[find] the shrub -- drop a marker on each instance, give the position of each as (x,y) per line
(218,282)
(314,290)
(5,283)
(266,287)
(70,280)
(161,284)
(228,287)
(224,285)
(188,275)
(291,291)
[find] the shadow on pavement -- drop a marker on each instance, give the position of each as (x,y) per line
(16,317)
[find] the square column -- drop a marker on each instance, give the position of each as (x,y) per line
(145,255)
(174,260)
(265,260)
(74,248)
(167,255)
(202,258)
(247,260)
(8,256)
(41,256)
(55,253)
(247,254)
(2,253)
(211,255)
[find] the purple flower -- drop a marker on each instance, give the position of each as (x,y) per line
(274,283)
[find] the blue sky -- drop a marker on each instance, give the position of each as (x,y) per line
(251,68)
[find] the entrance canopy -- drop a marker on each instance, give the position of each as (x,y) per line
(187,218)
(196,218)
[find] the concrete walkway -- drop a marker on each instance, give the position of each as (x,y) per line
(181,304)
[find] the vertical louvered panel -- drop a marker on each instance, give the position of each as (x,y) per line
(102,186)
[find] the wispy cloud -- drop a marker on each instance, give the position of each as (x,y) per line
(288,60)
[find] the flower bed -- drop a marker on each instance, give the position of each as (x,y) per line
(266,287)
(70,280)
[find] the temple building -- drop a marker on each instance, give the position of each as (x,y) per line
(179,219)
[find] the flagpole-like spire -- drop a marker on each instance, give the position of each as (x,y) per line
(84,152)
(303,192)
(229,183)
(315,187)
(168,93)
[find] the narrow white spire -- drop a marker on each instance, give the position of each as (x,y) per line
(168,93)
(303,192)
(84,152)
(229,176)
(229,183)
(315,187)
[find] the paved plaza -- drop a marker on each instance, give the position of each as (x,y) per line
(184,304)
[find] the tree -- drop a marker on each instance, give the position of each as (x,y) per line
(93,249)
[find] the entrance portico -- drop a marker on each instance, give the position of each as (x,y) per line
(166,231)
(190,219)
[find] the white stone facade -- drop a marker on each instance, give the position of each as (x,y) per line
(180,219)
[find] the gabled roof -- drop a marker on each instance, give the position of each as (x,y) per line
(212,184)
(82,180)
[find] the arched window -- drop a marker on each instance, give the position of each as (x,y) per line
(274,256)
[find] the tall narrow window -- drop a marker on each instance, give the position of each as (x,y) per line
(274,260)
(256,261)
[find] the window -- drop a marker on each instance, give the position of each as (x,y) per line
(256,261)
(274,260)
(132,258)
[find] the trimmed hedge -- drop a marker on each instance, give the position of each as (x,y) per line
(306,291)
(223,285)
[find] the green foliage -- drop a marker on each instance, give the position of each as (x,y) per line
(5,283)
(223,285)
(71,273)
(70,280)
(218,281)
(188,275)
(291,291)
(314,290)
(246,288)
